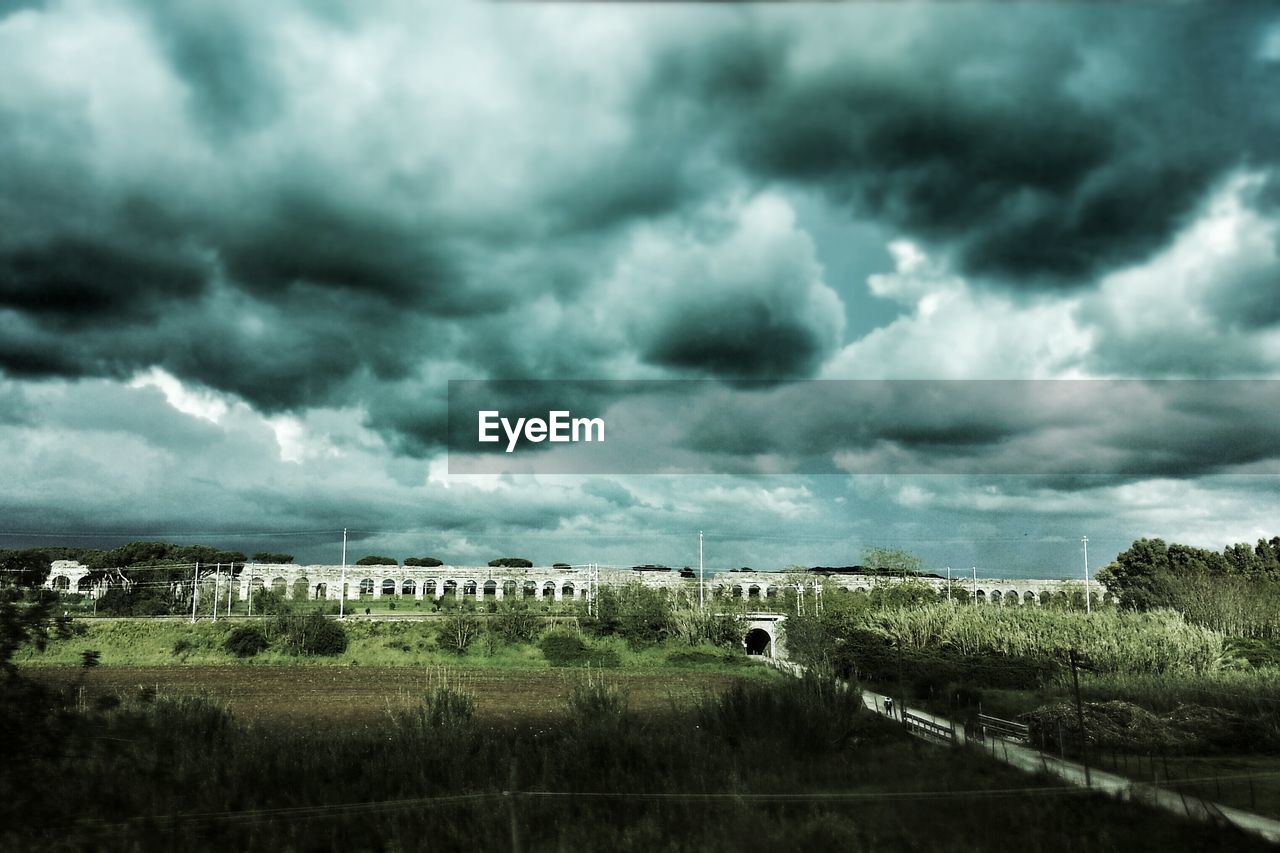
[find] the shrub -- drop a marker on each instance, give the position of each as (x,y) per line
(563,649)
(311,634)
(458,631)
(246,641)
(428,562)
(374,560)
(182,646)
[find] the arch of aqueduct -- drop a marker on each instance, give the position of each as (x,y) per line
(558,583)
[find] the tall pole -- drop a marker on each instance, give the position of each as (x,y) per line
(195,591)
(217,576)
(1088,606)
(231,578)
(342,584)
(701,603)
(975,586)
(948,584)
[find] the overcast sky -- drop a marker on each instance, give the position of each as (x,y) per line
(243,249)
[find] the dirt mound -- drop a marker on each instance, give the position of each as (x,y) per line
(1126,726)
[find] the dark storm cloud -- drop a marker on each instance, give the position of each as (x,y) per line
(224,59)
(1044,145)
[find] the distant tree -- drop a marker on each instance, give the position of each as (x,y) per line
(272,557)
(511,563)
(1140,577)
(894,559)
(560,566)
(644,615)
(374,560)
(428,562)
(25,568)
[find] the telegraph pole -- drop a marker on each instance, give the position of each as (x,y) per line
(231,577)
(342,584)
(1088,605)
(217,576)
(701,603)
(975,586)
(195,591)
(948,584)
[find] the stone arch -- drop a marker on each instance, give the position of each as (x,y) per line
(753,591)
(450,588)
(1011,598)
(981,596)
(758,642)
(1029,598)
(1060,599)
(736,591)
(566,591)
(771,592)
(409,587)
(84,584)
(322,590)
(301,587)
(429,587)
(61,583)
(1077,600)
(530,589)
(490,589)
(279,585)
(508,589)
(256,584)
(469,588)
(549,589)
(366,586)
(388,586)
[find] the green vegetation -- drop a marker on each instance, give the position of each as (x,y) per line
(246,641)
(428,562)
(375,560)
(151,772)
(511,562)
(272,557)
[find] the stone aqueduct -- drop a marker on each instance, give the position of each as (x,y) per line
(481,583)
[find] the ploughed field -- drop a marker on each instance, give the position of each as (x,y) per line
(361,696)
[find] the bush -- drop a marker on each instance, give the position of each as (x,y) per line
(562,649)
(511,563)
(182,646)
(246,641)
(515,623)
(428,562)
(374,560)
(458,631)
(311,634)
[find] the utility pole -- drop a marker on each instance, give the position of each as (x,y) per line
(1084,740)
(217,576)
(701,602)
(231,577)
(1088,605)
(975,586)
(195,592)
(342,584)
(948,584)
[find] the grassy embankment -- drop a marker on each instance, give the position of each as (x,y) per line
(152,642)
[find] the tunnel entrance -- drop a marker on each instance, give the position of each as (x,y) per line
(758,641)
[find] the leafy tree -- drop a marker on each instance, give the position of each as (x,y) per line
(1141,576)
(375,560)
(907,593)
(25,568)
(514,622)
(429,562)
(644,615)
(458,631)
(23,620)
(894,559)
(511,563)
(272,557)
